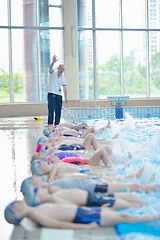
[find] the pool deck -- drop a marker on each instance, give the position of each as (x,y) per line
(18,138)
(20,233)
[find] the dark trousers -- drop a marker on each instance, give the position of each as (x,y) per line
(54,105)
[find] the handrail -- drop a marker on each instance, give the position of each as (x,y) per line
(73,118)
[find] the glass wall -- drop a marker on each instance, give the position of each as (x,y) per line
(108,65)
(107,14)
(134,64)
(4,67)
(30,33)
(118,42)
(124,48)
(86,65)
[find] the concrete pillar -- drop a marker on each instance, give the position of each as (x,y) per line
(71,48)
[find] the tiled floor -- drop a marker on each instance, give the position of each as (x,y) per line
(18,137)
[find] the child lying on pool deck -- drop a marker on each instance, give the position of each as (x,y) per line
(71,216)
(88,183)
(39,195)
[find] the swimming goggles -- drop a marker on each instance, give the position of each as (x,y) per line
(12,213)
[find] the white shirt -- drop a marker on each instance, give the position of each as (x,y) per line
(55,83)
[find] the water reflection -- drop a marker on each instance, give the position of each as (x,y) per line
(18,137)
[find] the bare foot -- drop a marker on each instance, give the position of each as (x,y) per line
(109,124)
(129,155)
(136,205)
(140,172)
(115,136)
(152,178)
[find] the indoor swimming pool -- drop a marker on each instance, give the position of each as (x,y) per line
(140,137)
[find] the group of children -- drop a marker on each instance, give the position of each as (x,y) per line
(72,185)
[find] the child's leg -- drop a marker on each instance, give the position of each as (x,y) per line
(114,187)
(90,142)
(111,218)
(97,156)
(130,197)
(108,149)
(122,204)
(90,130)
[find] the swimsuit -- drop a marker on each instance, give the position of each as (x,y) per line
(67,157)
(97,201)
(68,135)
(65,147)
(84,184)
(80,134)
(63,154)
(87,215)
(70,157)
(101,188)
(75,160)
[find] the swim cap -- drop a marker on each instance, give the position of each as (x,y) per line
(32,159)
(42,139)
(43,149)
(35,162)
(46,132)
(75,160)
(25,185)
(31,197)
(39,146)
(10,216)
(35,168)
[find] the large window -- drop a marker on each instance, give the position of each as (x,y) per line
(107,14)
(86,65)
(30,33)
(108,63)
(134,64)
(118,44)
(4,67)
(123,46)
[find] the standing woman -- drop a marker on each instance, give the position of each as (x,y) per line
(56,81)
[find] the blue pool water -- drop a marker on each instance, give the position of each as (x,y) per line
(141,138)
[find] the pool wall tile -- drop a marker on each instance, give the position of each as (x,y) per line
(110,112)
